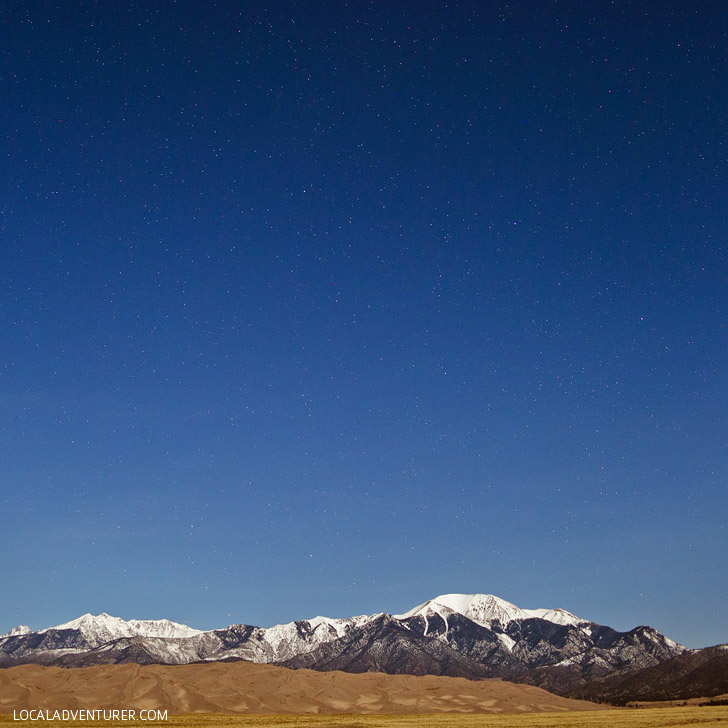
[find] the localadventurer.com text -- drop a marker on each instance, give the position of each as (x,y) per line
(85,714)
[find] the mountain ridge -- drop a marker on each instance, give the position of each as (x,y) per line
(495,607)
(458,635)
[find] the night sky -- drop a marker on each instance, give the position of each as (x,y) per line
(331,307)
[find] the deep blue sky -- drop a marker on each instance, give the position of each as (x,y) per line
(329,307)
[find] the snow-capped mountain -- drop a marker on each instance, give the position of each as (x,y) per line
(20,629)
(487,609)
(465,635)
(100,629)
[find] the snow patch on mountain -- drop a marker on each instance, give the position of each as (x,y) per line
(161,628)
(305,635)
(557,616)
(506,641)
(675,645)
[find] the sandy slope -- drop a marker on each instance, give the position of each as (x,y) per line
(241,687)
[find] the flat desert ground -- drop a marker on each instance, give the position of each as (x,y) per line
(681,717)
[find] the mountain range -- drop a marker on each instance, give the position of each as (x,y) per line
(457,635)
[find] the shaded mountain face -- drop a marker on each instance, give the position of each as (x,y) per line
(387,644)
(693,674)
(473,636)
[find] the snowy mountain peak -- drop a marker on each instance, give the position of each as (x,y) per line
(482,609)
(90,621)
(557,616)
(485,609)
(304,635)
(102,628)
(162,628)
(17,631)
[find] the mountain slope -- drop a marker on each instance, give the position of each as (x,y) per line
(386,644)
(695,674)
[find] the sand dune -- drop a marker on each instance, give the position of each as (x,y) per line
(241,687)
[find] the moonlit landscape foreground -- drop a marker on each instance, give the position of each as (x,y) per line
(205,696)
(241,687)
(320,700)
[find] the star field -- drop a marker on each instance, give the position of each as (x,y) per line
(333,307)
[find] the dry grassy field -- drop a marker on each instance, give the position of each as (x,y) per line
(676,717)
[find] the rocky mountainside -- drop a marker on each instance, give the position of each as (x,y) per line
(694,674)
(475,636)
